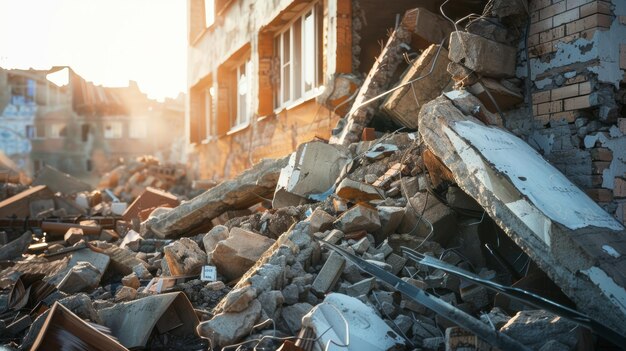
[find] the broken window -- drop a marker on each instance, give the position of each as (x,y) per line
(30,132)
(138,129)
(298,48)
(113,130)
(84,133)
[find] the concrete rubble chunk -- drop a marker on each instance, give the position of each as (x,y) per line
(426,27)
(150,198)
(329,274)
(271,302)
(536,327)
(458,339)
(239,299)
(210,240)
(293,315)
(484,56)
(379,78)
(390,219)
(131,280)
(242,192)
(442,217)
(354,191)
(184,257)
(16,247)
(366,330)
(81,277)
(60,182)
(122,260)
(311,173)
(524,194)
(240,251)
(503,98)
(359,217)
(461,75)
(320,221)
(404,104)
(361,288)
(227,328)
(471,105)
(125,293)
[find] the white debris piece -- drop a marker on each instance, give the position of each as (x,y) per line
(342,320)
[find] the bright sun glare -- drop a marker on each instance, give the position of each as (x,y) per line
(108,42)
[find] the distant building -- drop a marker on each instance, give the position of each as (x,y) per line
(78,127)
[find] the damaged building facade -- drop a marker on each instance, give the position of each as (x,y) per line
(265,77)
(80,128)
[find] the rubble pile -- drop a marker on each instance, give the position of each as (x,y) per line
(452,235)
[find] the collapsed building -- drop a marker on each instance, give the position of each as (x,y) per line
(56,118)
(469,195)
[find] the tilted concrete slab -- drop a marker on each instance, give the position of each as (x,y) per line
(249,188)
(580,246)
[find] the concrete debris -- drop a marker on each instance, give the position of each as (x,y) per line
(481,55)
(242,192)
(425,79)
(359,217)
(515,185)
(346,320)
(237,253)
(392,235)
(311,173)
(184,257)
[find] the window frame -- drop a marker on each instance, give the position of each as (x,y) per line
(240,119)
(298,94)
(53,132)
(104,130)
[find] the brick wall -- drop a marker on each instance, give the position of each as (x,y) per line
(577,59)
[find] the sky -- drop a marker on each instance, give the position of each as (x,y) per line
(108,42)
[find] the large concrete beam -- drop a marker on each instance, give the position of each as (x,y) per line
(378,80)
(580,246)
(249,188)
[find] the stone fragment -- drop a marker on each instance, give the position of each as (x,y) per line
(354,191)
(227,328)
(427,27)
(433,344)
(495,317)
(320,221)
(184,257)
(334,236)
(459,339)
(125,293)
(210,240)
(503,98)
(122,260)
(271,301)
(293,315)
(484,56)
(142,272)
(239,299)
(390,219)
(149,199)
(396,262)
(359,217)
(131,280)
(244,191)
(536,327)
(81,277)
(361,288)
(311,173)
(73,235)
(462,75)
(403,105)
(329,274)
(361,246)
(240,251)
(291,294)
(404,323)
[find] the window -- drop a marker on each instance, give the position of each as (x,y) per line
(209,12)
(31,132)
(57,130)
(209,122)
(138,129)
(242,92)
(113,130)
(298,49)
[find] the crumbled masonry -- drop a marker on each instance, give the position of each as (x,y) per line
(459,229)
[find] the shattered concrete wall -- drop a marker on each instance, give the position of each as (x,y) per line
(576,62)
